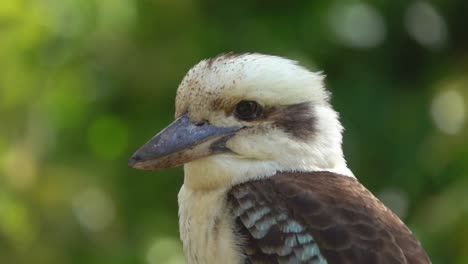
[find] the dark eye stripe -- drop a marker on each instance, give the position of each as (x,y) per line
(298,120)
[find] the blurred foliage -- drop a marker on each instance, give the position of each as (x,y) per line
(83,83)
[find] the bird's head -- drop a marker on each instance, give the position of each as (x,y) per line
(246,116)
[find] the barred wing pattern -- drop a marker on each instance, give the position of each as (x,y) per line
(318,218)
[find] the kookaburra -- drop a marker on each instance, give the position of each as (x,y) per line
(265,180)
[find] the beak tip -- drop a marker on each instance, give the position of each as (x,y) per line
(134,160)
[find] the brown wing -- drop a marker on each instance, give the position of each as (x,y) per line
(319,217)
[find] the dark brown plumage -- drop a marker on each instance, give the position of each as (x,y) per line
(297,120)
(316,217)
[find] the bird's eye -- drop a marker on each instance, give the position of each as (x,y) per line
(248,110)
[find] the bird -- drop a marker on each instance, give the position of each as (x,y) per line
(265,178)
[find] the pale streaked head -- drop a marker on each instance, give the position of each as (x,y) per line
(246,116)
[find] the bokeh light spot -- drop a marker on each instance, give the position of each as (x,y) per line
(448,111)
(357,25)
(108,137)
(20,168)
(94,209)
(426,25)
(165,250)
(15,221)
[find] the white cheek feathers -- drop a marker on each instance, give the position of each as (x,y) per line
(298,131)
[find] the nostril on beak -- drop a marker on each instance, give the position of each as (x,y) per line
(202,123)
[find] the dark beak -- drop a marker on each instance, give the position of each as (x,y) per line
(181,142)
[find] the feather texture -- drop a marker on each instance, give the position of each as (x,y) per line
(319,217)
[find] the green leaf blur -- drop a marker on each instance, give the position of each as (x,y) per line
(83,83)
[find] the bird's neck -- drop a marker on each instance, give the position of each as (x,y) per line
(221,172)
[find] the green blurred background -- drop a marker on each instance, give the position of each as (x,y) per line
(83,83)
